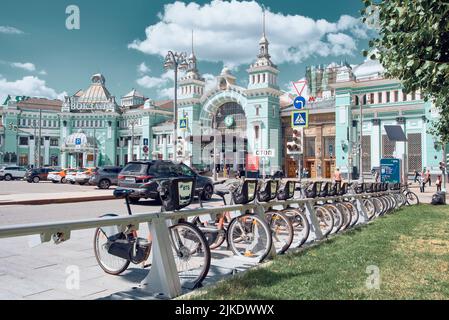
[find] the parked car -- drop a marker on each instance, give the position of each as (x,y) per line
(37,174)
(58,176)
(142,177)
(83,175)
(9,173)
(70,176)
(106,176)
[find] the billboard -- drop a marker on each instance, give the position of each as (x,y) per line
(390,170)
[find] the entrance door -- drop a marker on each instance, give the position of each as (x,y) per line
(292,165)
(327,169)
(79,161)
(310,165)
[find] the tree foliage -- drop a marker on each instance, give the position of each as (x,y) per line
(413,46)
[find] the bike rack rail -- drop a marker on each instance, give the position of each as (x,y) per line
(163,275)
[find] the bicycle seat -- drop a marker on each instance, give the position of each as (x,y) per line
(122,193)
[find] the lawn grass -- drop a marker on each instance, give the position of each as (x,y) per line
(410,248)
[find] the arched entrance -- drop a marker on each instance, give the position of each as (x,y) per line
(79,151)
(223,119)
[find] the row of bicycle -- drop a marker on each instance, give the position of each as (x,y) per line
(251,233)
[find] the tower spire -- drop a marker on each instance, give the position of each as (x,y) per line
(263,11)
(192,43)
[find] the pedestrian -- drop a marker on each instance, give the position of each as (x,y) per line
(428,177)
(416,175)
(421,182)
(376,176)
(439,182)
(337,176)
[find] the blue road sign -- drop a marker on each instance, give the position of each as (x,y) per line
(390,170)
(145,141)
(183,123)
(299,102)
(300,118)
(78,141)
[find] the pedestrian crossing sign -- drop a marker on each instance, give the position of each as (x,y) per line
(300,118)
(183,123)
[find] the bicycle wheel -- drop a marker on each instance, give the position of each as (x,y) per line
(191,252)
(337,215)
(353,212)
(249,236)
(412,198)
(301,226)
(369,207)
(378,205)
(281,231)
(325,219)
(109,263)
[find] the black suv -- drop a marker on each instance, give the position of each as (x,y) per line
(142,177)
(37,174)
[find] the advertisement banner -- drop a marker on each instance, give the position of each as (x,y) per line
(390,170)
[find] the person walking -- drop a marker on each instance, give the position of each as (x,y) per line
(416,176)
(428,178)
(421,182)
(337,176)
(439,182)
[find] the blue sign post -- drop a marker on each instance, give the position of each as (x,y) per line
(390,170)
(183,123)
(78,141)
(300,118)
(299,102)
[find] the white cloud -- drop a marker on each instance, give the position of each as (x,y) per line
(28,66)
(143,68)
(156,82)
(28,86)
(43,72)
(229,32)
(211,82)
(10,30)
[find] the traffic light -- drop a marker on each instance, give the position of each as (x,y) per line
(442,167)
(295,146)
(180,147)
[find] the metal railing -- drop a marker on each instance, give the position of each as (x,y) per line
(163,275)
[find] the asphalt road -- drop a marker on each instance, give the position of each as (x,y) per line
(19,187)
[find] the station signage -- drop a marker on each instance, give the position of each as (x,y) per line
(270,153)
(78,106)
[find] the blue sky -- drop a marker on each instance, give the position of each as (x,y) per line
(126,41)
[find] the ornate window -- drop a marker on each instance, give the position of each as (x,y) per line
(414,152)
(388,147)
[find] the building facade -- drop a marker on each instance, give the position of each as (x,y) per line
(383,103)
(88,129)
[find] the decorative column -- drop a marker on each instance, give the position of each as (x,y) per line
(375,143)
(46,151)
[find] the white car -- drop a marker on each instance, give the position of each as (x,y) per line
(70,177)
(12,172)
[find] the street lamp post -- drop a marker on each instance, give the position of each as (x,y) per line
(360,98)
(175,61)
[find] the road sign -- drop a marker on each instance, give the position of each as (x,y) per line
(299,102)
(390,170)
(300,118)
(270,153)
(145,149)
(183,123)
(78,141)
(145,141)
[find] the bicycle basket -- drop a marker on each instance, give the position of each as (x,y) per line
(287,192)
(341,189)
(312,193)
(268,191)
(246,192)
(176,193)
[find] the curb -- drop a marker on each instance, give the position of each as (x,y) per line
(61,200)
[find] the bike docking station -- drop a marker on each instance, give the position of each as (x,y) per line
(163,280)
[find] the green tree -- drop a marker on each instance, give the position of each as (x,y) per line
(413,46)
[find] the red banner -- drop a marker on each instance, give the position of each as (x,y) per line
(252,162)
